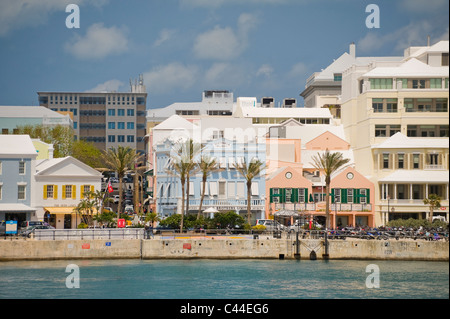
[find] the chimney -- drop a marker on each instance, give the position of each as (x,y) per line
(428,41)
(352,50)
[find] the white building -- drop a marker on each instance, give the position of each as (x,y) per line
(60,184)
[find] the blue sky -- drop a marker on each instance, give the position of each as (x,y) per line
(182,47)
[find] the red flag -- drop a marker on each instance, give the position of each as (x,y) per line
(110,188)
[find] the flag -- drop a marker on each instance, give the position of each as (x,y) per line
(110,188)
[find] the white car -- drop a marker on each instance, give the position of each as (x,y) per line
(270,224)
(116,199)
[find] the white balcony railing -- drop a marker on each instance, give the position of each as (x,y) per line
(227,204)
(434,167)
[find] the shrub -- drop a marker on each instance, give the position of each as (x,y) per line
(82,226)
(259,228)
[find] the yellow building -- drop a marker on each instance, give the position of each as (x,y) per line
(410,97)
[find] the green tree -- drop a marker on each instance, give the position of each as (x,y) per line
(328,163)
(249,172)
(120,160)
(87,153)
(60,136)
(152,218)
(433,201)
(206,166)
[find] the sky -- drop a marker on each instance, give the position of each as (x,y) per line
(253,48)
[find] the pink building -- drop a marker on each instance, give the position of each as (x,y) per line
(293,184)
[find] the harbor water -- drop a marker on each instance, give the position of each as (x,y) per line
(224,279)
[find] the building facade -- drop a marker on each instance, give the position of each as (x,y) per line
(17,165)
(107,119)
(410,97)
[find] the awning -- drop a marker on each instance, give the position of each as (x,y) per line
(64,210)
(60,210)
(286,213)
(17,208)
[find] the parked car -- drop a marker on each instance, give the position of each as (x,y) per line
(27,232)
(29,223)
(270,224)
(115,198)
(301,224)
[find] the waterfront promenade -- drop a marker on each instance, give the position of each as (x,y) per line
(223,247)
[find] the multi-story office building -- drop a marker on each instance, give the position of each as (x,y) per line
(107,119)
(410,97)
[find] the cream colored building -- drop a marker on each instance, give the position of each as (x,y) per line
(409,97)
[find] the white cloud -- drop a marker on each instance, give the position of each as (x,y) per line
(225,43)
(413,34)
(219,3)
(265,70)
(17,14)
(98,42)
(298,70)
(111,85)
(164,36)
(225,75)
(170,77)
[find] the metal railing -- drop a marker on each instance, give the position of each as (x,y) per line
(90,233)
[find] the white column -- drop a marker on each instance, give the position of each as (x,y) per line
(410,191)
(426,190)
(395,191)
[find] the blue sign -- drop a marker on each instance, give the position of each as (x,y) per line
(108,243)
(11,227)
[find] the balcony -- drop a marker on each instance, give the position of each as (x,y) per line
(434,167)
(227,204)
(320,207)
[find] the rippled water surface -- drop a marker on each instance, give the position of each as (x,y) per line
(224,279)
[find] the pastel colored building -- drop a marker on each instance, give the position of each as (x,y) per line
(294,185)
(17,165)
(225,189)
(60,186)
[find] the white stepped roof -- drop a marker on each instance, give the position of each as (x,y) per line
(411,68)
(399,140)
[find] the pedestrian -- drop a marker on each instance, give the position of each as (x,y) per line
(146,232)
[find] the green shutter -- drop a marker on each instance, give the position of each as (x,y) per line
(344,195)
(294,196)
(332,195)
(368,196)
(282,195)
(356,196)
(306,195)
(271,195)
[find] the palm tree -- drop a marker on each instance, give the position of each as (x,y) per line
(206,165)
(434,201)
(249,172)
(328,163)
(120,160)
(179,168)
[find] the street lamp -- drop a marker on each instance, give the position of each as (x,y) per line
(388,198)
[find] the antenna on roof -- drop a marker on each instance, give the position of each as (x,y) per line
(428,40)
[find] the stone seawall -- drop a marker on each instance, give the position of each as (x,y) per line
(222,249)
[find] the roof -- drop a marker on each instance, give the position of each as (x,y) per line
(410,68)
(399,141)
(280,112)
(12,207)
(28,111)
(419,176)
(174,122)
(20,145)
(44,166)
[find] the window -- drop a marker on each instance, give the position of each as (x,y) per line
(22,168)
(416,161)
(386,161)
(433,159)
(380,130)
(435,83)
(121,125)
(1,191)
(68,191)
(337,77)
(130,138)
(350,195)
(85,189)
(121,112)
(130,125)
(121,138)
(444,59)
(401,161)
(218,134)
(187,112)
(377,105)
(381,84)
(50,193)
(363,196)
(222,189)
(301,195)
(111,112)
(288,193)
(111,138)
(111,125)
(130,112)
(21,192)
(337,195)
